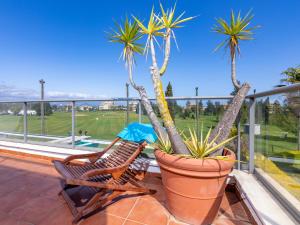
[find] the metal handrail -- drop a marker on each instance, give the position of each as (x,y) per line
(279,90)
(118,99)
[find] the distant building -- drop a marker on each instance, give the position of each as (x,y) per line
(133,106)
(106,105)
(68,108)
(190,105)
(29,113)
(85,108)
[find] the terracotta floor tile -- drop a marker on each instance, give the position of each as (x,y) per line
(102,219)
(225,221)
(173,221)
(13,200)
(131,222)
(159,194)
(7,174)
(121,207)
(52,191)
(6,219)
(58,216)
(28,195)
(176,223)
(152,179)
(149,212)
(35,209)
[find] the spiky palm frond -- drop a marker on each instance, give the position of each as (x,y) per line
(236,30)
(153,29)
(292,75)
(128,35)
(154,26)
(167,18)
(169,22)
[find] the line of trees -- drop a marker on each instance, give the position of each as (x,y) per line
(187,111)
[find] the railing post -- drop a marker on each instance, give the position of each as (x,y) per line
(251,134)
(127,102)
(239,142)
(73,124)
(140,111)
(25,129)
(197,112)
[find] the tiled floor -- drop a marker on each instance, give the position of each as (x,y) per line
(28,195)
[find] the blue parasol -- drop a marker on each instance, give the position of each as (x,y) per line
(138,132)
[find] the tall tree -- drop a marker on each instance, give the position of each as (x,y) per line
(210,108)
(235,31)
(171,102)
(128,35)
(47,108)
(291,75)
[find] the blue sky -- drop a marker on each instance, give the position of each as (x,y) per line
(64,42)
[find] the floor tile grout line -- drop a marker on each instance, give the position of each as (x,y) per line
(121,217)
(135,221)
(131,210)
(166,211)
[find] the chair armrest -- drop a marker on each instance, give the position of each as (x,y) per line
(83,156)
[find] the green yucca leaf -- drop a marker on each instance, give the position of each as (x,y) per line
(164,145)
(200,148)
(212,149)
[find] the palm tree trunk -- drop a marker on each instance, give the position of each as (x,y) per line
(160,131)
(233,73)
(167,52)
(178,145)
(151,115)
(224,126)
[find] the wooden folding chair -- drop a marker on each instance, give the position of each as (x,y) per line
(97,183)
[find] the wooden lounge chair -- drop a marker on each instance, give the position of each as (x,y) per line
(97,183)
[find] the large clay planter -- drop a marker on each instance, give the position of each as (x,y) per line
(194,187)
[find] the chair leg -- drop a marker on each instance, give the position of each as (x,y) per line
(96,202)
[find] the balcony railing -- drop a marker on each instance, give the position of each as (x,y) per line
(274,143)
(268,129)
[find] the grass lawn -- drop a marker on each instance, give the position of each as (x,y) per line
(100,125)
(106,124)
(271,142)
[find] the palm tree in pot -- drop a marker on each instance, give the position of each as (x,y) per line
(235,31)
(190,176)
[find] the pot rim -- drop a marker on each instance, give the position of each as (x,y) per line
(168,161)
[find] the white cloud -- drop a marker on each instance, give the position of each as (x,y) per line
(10,92)
(71,95)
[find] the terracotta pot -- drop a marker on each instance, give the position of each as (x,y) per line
(194,187)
